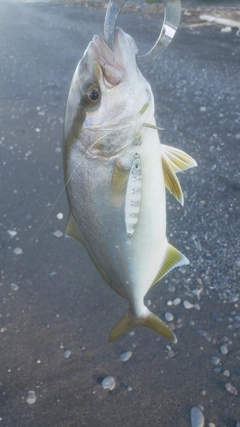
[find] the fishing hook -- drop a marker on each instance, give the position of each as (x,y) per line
(172,15)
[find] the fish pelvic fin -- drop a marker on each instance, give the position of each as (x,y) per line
(173,161)
(173,258)
(150,320)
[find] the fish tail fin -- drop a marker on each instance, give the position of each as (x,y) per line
(131,321)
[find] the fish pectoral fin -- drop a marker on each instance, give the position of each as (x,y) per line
(173,161)
(130,321)
(173,258)
(178,159)
(119,184)
(72,229)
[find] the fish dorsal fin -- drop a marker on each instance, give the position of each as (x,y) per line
(171,180)
(173,258)
(72,229)
(119,184)
(173,161)
(178,159)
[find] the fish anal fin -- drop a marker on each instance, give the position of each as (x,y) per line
(129,321)
(171,180)
(173,258)
(119,184)
(178,159)
(72,229)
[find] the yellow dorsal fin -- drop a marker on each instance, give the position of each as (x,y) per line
(72,229)
(173,258)
(119,184)
(178,159)
(173,161)
(171,180)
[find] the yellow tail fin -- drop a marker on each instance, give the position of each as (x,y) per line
(130,321)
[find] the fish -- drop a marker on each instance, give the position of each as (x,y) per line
(116,171)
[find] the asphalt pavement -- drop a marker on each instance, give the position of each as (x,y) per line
(55,310)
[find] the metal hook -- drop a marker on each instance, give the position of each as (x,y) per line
(172,15)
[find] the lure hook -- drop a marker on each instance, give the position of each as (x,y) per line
(172,15)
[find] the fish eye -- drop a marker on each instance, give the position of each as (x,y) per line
(93,95)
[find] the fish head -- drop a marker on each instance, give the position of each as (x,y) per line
(106,96)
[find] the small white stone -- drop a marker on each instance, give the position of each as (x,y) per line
(169,317)
(129,388)
(14,287)
(169,302)
(176,301)
(226,30)
(67,354)
(109,383)
(132,333)
(187,304)
(197,307)
(126,356)
(197,418)
(58,233)
(231,389)
(223,349)
(211,425)
(12,233)
(226,373)
(59,216)
(18,251)
(31,397)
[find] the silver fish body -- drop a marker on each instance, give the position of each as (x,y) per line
(115,173)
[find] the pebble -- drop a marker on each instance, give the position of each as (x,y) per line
(226,30)
(203,109)
(169,317)
(171,353)
(109,383)
(187,304)
(237,371)
(211,425)
(12,233)
(202,333)
(17,251)
(226,373)
(14,287)
(67,354)
(197,418)
(223,349)
(231,389)
(126,356)
(176,301)
(215,360)
(58,233)
(129,388)
(59,216)
(31,397)
(29,217)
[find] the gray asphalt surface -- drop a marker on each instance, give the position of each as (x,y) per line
(60,302)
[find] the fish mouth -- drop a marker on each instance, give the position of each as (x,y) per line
(117,62)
